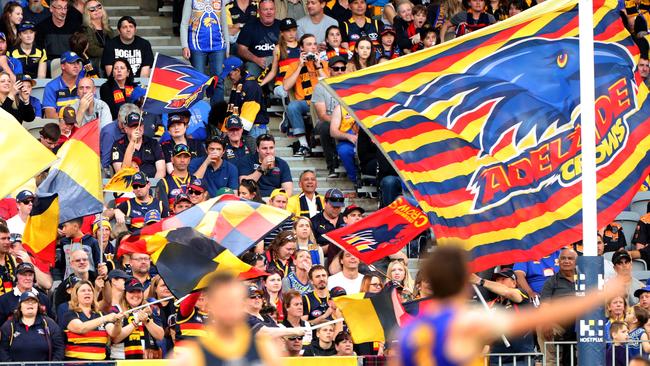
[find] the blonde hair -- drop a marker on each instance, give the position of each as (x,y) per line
(106,26)
(312,238)
(610,301)
(408,282)
(74,297)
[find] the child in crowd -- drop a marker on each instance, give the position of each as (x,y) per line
(516,7)
(388,48)
(74,239)
(30,56)
(429,37)
(285,53)
(333,45)
(615,354)
(636,318)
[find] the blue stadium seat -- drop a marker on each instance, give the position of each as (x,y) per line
(640,203)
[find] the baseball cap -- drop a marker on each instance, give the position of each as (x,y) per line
(25,267)
(27,295)
(24,195)
(71,281)
(68,115)
(507,273)
(2,35)
(224,190)
(26,25)
(388,29)
(28,79)
(140,178)
(254,290)
(337,291)
(151,216)
(277,192)
(197,184)
(178,117)
(70,57)
(618,256)
(230,64)
(641,291)
(348,210)
(132,119)
(182,197)
(335,197)
(118,273)
(180,149)
(288,23)
(233,122)
(336,59)
(133,285)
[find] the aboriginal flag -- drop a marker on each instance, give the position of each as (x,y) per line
(174,86)
(382,233)
(485,129)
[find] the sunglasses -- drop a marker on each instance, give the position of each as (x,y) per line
(96,7)
(27,202)
(194,192)
(138,186)
(295,338)
(255,297)
(338,68)
(338,200)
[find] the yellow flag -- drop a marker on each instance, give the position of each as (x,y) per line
(20,154)
(121,182)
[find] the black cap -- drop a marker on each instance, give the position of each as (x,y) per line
(336,59)
(197,184)
(337,291)
(506,273)
(118,273)
(234,122)
(25,267)
(132,119)
(254,290)
(288,23)
(71,281)
(140,178)
(348,210)
(622,254)
(180,149)
(133,285)
(182,197)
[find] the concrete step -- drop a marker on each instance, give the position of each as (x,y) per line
(168,50)
(164,41)
(143,20)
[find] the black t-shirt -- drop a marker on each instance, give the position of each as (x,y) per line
(322,226)
(138,53)
(149,153)
(53,39)
(260,39)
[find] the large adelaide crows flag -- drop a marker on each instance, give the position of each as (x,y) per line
(485,129)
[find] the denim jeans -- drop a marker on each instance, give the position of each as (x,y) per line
(346,153)
(215,65)
(295,110)
(391,188)
(258,130)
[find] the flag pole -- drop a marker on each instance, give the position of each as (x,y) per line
(487,307)
(153,69)
(591,350)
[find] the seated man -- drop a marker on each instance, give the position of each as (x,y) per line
(308,203)
(25,281)
(258,38)
(177,181)
(301,78)
(88,106)
(137,207)
(73,239)
(345,130)
(24,201)
(269,171)
(237,147)
(136,144)
(215,172)
(62,91)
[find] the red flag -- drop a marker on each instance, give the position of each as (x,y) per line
(382,233)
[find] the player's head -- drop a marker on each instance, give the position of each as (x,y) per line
(446,270)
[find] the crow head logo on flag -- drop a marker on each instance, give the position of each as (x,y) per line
(368,239)
(527,132)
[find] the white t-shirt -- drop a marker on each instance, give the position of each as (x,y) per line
(350,286)
(16,225)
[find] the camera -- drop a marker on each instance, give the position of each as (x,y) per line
(310,56)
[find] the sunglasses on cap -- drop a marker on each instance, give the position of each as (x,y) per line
(27,201)
(338,68)
(336,199)
(255,296)
(194,192)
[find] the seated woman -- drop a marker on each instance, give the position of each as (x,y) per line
(120,88)
(14,98)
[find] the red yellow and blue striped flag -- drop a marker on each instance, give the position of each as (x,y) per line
(234,223)
(174,86)
(72,189)
(485,129)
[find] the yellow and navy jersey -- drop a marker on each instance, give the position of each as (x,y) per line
(249,99)
(88,346)
(351,32)
(293,55)
(30,60)
(192,326)
(7,274)
(136,209)
(236,15)
(173,185)
(58,95)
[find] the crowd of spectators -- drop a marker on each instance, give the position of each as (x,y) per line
(266,50)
